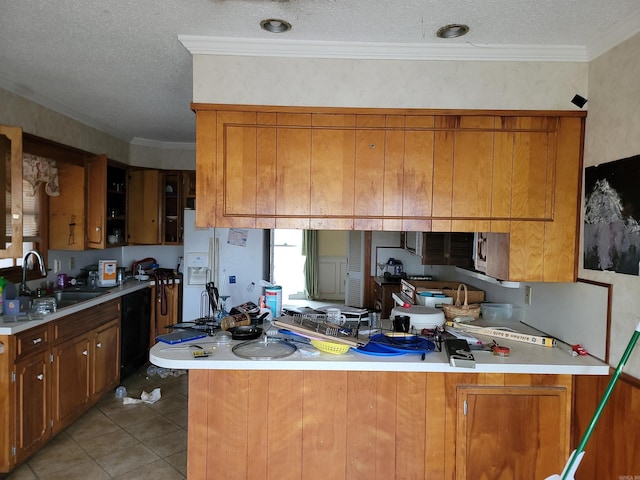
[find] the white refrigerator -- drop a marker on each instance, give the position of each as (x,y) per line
(234,259)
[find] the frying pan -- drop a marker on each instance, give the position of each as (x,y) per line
(246,332)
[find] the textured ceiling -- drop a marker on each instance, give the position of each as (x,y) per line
(119,66)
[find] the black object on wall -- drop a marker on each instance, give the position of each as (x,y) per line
(579,101)
(134,331)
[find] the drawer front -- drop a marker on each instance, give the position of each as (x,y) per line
(33,340)
(81,322)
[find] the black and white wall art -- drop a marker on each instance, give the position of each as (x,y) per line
(612,216)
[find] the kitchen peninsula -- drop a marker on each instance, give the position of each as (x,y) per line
(357,416)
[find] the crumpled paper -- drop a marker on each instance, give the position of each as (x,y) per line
(145,397)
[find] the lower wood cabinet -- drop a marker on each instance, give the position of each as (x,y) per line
(70,389)
(315,425)
(166,308)
(32,389)
(105,358)
(54,373)
(510,429)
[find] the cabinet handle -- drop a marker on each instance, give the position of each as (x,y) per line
(98,229)
(36,341)
(40,377)
(85,353)
(99,345)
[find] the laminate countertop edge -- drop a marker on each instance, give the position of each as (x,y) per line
(10,326)
(524,358)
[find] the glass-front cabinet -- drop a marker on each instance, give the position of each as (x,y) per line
(11,179)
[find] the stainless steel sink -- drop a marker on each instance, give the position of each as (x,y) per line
(64,298)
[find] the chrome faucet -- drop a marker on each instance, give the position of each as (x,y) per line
(24,290)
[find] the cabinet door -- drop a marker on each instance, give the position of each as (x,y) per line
(164,310)
(369,179)
(417,196)
(96,201)
(472,174)
(32,390)
(524,168)
(447,249)
(143,211)
(293,171)
(172,208)
(332,171)
(105,355)
(70,388)
(511,432)
(67,211)
(11,174)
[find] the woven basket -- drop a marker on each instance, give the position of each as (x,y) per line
(461,310)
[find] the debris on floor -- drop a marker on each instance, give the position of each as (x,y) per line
(164,372)
(145,397)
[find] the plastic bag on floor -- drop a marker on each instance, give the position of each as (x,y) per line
(145,397)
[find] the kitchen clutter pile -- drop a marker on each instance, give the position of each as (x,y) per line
(429,316)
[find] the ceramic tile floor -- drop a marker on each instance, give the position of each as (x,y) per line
(112,440)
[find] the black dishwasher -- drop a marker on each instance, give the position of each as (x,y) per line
(134,331)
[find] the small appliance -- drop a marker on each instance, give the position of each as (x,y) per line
(107,272)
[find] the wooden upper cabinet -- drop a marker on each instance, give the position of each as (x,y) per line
(417,142)
(293,171)
(11,175)
(67,211)
(333,153)
(143,207)
(472,171)
(96,198)
(398,170)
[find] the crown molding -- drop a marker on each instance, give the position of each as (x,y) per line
(204,45)
(145,142)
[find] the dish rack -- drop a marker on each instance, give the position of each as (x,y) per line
(316,327)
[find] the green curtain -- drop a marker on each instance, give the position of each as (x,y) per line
(310,251)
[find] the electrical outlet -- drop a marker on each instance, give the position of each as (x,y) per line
(527,295)
(57,266)
(72,263)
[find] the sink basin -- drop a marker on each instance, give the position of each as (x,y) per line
(65,298)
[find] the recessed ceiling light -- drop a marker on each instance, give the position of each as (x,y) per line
(452,31)
(275,25)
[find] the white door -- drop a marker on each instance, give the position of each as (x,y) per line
(354,295)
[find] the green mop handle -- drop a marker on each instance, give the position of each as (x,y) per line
(605,398)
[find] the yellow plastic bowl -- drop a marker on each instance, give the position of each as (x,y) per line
(330,347)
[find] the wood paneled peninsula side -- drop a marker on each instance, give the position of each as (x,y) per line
(356,416)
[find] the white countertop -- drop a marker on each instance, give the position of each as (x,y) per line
(11,324)
(524,358)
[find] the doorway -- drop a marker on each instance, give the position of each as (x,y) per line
(335,279)
(287,266)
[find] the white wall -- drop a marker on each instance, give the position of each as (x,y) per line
(612,133)
(183,158)
(46,123)
(387,83)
